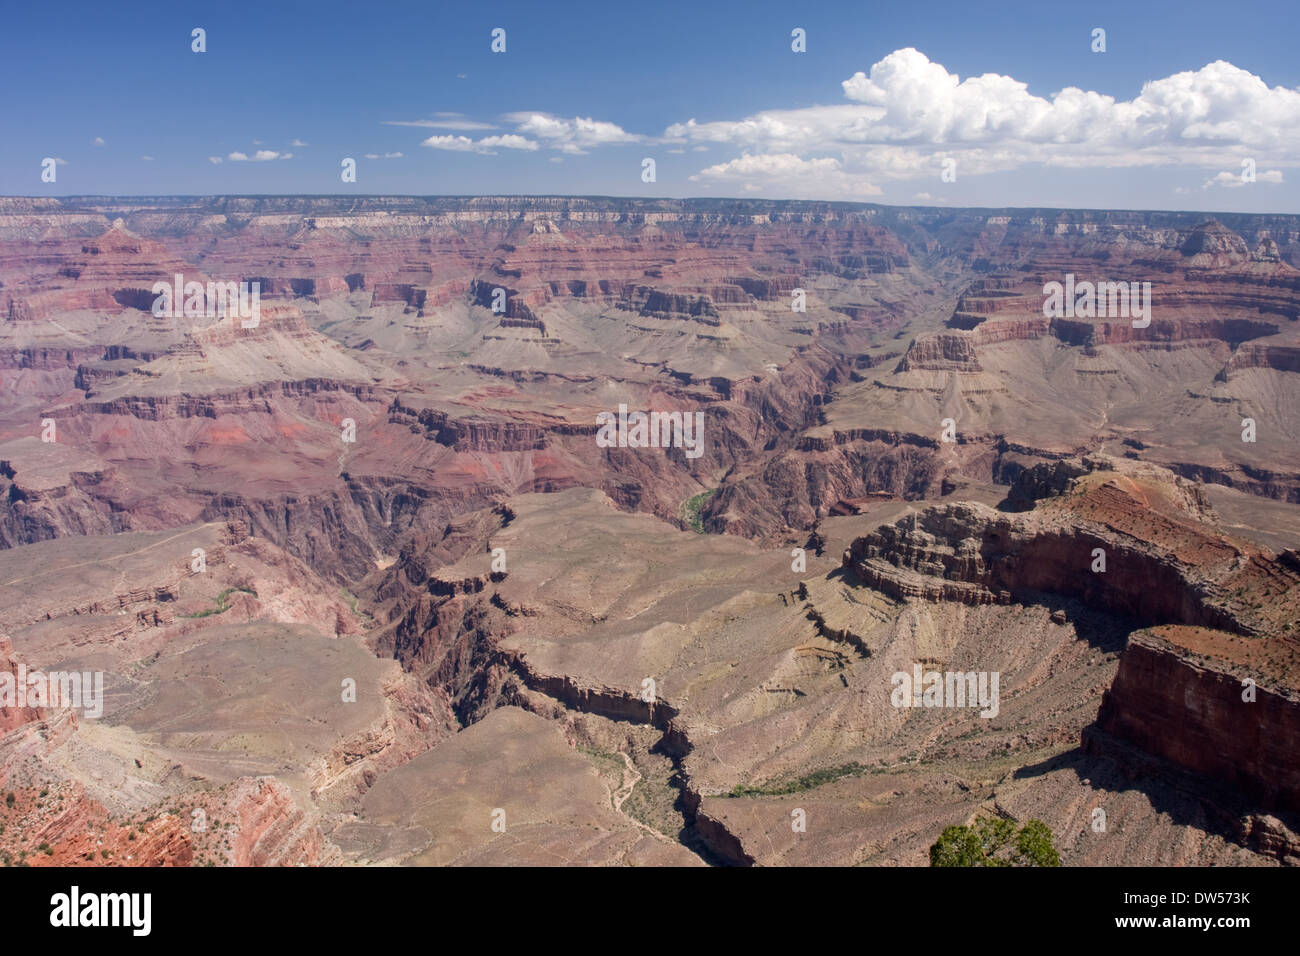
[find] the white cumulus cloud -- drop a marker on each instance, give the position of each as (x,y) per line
(904,116)
(575,135)
(533,131)
(488,145)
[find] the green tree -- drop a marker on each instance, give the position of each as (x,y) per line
(957,846)
(1034,845)
(993,841)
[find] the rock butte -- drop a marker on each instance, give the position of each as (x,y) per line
(227,735)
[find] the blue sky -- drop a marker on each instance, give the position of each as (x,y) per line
(100,89)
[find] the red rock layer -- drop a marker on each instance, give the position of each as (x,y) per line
(1189,709)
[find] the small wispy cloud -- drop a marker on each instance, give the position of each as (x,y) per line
(789,172)
(1229,180)
(261,156)
(147,159)
(99,141)
(299,144)
(215,160)
(384,155)
(456,121)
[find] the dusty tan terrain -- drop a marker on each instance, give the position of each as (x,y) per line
(361,576)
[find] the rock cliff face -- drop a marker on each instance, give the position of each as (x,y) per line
(971,554)
(1127,539)
(942,352)
(11,715)
(1253,355)
(1182,694)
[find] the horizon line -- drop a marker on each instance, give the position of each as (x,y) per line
(754,200)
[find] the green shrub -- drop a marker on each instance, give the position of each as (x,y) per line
(995,842)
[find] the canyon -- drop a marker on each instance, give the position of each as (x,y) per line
(366,588)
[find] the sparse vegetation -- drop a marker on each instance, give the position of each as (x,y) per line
(694,506)
(221,601)
(807,782)
(353,601)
